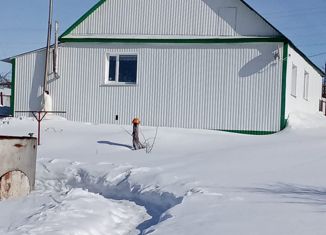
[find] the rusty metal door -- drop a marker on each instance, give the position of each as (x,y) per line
(14,184)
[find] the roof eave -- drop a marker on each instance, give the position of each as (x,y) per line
(294,47)
(322,73)
(7,60)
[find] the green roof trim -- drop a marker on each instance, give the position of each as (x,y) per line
(283,95)
(81,19)
(13,80)
(173,41)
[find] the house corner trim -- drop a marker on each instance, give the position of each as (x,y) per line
(283,120)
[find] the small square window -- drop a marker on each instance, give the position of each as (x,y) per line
(122,69)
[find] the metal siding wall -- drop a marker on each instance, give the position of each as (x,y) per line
(298,103)
(29,81)
(170,18)
(226,86)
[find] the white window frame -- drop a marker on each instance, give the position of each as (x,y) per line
(306,85)
(294,80)
(107,69)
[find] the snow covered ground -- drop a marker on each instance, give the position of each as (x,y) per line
(89,181)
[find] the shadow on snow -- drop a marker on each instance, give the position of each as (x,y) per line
(114,144)
(299,194)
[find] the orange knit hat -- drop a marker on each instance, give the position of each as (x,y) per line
(136,121)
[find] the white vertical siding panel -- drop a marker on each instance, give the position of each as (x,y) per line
(193,86)
(29,73)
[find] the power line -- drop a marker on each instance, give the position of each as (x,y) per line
(18,29)
(311,26)
(293,11)
(313,35)
(22,30)
(302,13)
(319,54)
(312,44)
(21,44)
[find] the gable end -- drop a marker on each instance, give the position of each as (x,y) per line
(82,18)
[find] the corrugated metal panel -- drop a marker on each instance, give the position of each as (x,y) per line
(227,86)
(172,18)
(29,81)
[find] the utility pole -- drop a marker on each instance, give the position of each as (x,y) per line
(46,70)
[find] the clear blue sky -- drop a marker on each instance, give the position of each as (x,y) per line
(23,23)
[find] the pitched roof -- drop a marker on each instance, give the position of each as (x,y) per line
(281,37)
(101,2)
(170,19)
(82,18)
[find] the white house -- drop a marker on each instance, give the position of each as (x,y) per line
(211,64)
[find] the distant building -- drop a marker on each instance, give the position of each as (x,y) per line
(175,63)
(5,80)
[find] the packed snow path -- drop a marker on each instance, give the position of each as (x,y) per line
(193,182)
